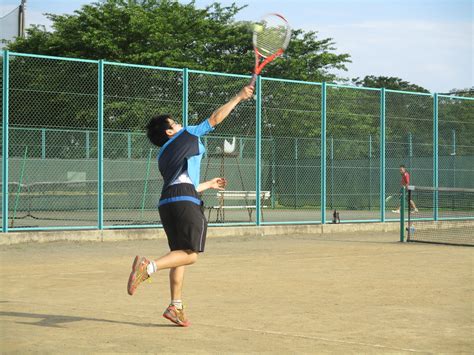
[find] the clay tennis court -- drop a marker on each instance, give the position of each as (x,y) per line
(360,292)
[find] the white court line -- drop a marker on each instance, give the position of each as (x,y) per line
(309,337)
(269,332)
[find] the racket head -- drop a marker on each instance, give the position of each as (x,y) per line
(271,35)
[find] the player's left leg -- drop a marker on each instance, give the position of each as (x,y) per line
(175,311)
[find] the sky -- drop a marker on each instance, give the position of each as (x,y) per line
(425,42)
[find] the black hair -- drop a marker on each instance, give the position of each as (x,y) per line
(403,166)
(156,129)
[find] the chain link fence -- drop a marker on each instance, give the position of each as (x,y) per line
(78,156)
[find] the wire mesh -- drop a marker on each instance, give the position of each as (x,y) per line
(291,151)
(46,94)
(409,142)
(353,154)
(230,149)
(132,95)
(1,137)
(53,145)
(456,142)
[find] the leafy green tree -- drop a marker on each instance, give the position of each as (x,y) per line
(168,33)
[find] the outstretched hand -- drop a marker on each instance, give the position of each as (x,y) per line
(218,183)
(246,93)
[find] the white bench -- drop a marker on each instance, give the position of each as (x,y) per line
(249,197)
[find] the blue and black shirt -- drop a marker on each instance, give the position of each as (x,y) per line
(183,152)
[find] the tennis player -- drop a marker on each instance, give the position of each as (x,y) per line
(405,182)
(180,208)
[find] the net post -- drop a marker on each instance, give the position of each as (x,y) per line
(185,96)
(435,156)
(382,154)
(100,146)
(402,214)
(258,147)
(323,153)
(5,89)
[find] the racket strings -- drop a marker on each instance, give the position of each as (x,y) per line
(272,34)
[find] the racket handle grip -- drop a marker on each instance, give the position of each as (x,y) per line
(253,80)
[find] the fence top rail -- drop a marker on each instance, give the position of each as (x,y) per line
(455,97)
(192,71)
(352,87)
(16,54)
(142,66)
(292,81)
(409,92)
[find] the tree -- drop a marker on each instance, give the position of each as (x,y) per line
(387,82)
(168,33)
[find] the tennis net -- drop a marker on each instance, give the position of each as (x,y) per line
(439,215)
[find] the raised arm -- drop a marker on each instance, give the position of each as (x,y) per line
(222,112)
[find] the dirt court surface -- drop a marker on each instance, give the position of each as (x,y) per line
(348,293)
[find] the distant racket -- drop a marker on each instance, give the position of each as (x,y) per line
(271,36)
(392,196)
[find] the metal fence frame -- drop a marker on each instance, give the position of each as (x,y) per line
(258,141)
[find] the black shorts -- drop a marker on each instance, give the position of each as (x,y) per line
(183,221)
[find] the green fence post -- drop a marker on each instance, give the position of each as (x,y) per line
(296,173)
(258,147)
(22,174)
(370,172)
(43,143)
(129,145)
(145,188)
(402,214)
(5,89)
(453,154)
(185,97)
(323,153)
(332,172)
(382,155)
(273,173)
(435,156)
(100,145)
(410,150)
(88,148)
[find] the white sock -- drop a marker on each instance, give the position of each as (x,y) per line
(151,268)
(177,303)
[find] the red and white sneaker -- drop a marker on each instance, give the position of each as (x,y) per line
(138,274)
(177,316)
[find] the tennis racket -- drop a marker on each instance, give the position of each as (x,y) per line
(271,36)
(392,196)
